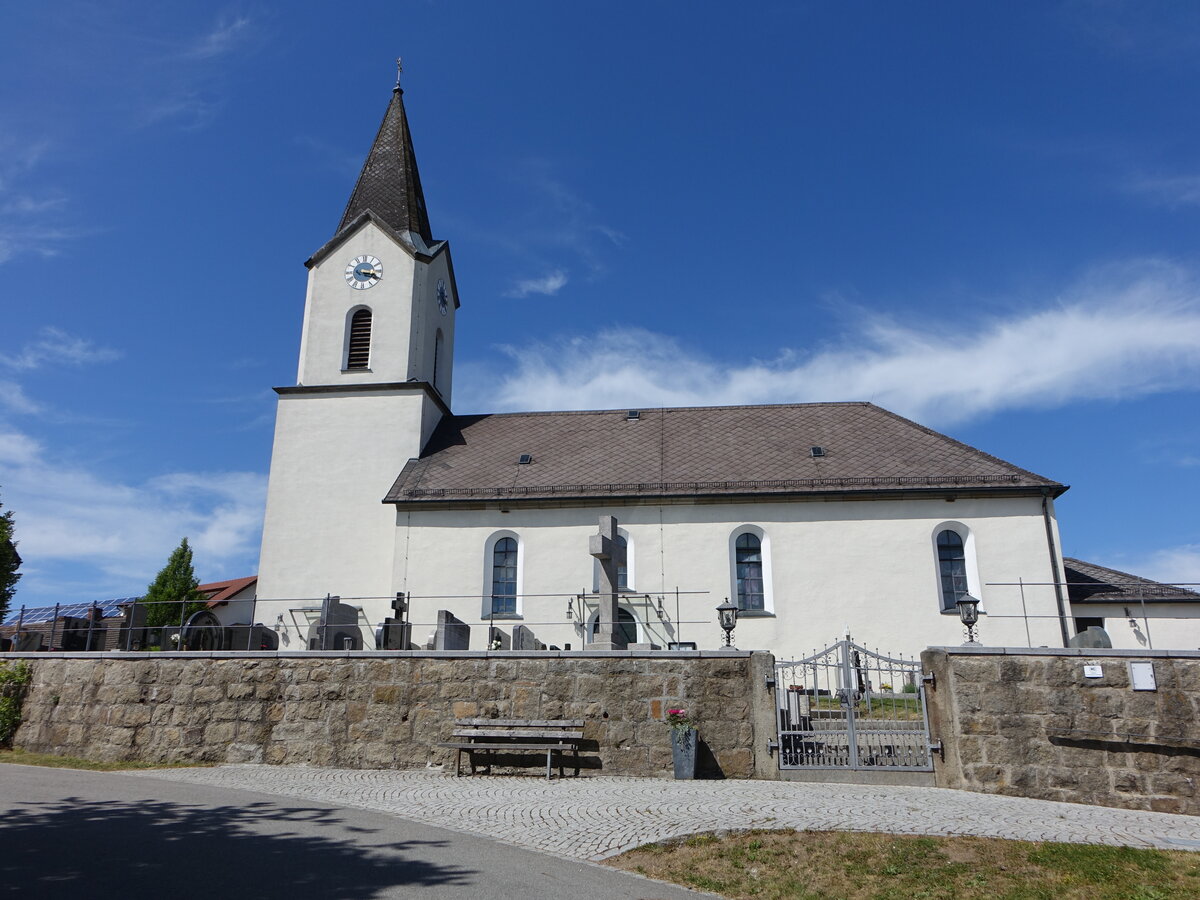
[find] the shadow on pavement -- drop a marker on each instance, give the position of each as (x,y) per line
(154,848)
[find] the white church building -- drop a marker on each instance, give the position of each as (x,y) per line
(813,518)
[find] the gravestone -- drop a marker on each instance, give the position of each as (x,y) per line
(336,628)
(498,639)
(523,639)
(452,633)
(395,633)
(132,635)
(610,553)
(1093,638)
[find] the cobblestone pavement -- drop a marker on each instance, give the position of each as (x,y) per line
(594,818)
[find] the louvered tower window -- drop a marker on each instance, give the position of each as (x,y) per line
(358,354)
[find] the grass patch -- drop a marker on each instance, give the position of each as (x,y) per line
(819,865)
(71,762)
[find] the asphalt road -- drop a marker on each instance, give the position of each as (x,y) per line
(85,835)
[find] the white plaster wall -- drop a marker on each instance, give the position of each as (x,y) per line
(1159,626)
(330,298)
(236,611)
(326,529)
(427,318)
(863,564)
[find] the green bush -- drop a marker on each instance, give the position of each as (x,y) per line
(14,681)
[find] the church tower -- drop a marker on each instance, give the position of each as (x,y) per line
(374,379)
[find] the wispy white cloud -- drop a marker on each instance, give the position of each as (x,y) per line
(54,346)
(1125,332)
(14,399)
(1172,191)
(189,110)
(70,519)
(556,230)
(332,158)
(1171,565)
(549,284)
(228,33)
(1143,30)
(30,218)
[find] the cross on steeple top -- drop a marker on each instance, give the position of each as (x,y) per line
(399,72)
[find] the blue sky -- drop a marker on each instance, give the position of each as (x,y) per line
(981,217)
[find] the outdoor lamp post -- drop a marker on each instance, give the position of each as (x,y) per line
(727,614)
(968,613)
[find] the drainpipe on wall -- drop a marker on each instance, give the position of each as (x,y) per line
(1058,589)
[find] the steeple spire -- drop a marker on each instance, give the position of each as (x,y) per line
(389,185)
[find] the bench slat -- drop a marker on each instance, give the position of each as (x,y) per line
(509,746)
(500,732)
(521,723)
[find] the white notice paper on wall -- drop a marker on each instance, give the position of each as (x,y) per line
(1093,672)
(1141,676)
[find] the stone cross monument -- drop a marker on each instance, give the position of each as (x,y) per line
(608,550)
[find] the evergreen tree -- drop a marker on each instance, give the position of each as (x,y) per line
(10,561)
(172,596)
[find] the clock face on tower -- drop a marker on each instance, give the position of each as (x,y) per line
(363,272)
(441,296)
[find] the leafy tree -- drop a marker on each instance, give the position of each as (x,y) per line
(173,595)
(10,561)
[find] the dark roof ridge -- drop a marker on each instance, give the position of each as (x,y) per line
(1109,570)
(1049,481)
(621,409)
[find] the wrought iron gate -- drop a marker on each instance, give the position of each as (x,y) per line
(847,707)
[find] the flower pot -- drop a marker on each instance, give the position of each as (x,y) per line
(683,752)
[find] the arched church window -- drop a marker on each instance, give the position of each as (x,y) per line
(626,624)
(749,563)
(952,567)
(358,347)
(437,355)
(504,577)
(624,570)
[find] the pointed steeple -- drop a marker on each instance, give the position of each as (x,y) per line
(389,185)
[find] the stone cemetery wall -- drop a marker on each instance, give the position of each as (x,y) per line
(385,710)
(1069,725)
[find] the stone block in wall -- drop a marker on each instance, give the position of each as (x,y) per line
(1081,739)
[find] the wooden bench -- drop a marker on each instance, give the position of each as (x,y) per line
(492,736)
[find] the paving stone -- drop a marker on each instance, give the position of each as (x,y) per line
(592,818)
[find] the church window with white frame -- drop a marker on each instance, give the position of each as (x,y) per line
(625,571)
(750,570)
(358,339)
(954,549)
(503,575)
(748,550)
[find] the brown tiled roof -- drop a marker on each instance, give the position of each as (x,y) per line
(220,591)
(697,452)
(1090,583)
(389,184)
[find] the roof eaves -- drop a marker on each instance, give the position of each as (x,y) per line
(403,494)
(1058,487)
(404,239)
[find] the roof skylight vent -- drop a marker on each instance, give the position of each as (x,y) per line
(633,414)
(816,452)
(526,459)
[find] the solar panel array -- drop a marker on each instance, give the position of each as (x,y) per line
(108,609)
